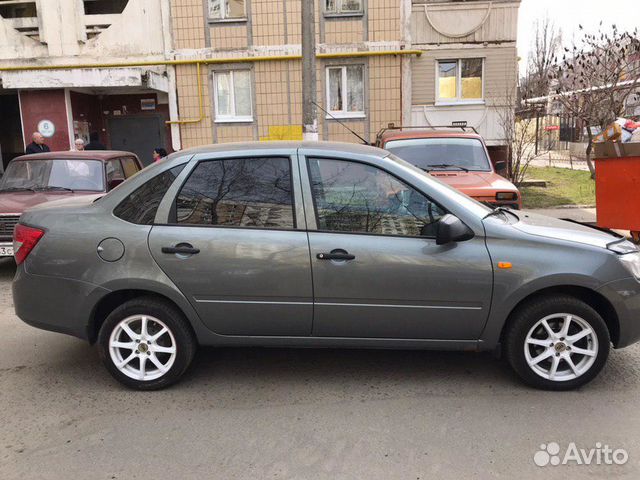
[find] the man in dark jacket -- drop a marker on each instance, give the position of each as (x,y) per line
(94,143)
(37,144)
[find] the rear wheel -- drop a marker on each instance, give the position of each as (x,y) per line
(146,344)
(557,343)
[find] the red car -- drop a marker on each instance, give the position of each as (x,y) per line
(42,177)
(456,156)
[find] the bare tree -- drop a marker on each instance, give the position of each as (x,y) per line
(545,48)
(519,134)
(596,77)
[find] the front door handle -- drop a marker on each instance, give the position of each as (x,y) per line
(181,248)
(336,255)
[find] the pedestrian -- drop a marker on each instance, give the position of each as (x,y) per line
(159,153)
(37,144)
(94,142)
(79,145)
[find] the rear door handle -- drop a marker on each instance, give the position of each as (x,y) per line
(181,248)
(336,255)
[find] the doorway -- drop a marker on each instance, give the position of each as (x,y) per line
(137,134)
(11,141)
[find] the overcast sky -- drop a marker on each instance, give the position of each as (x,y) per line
(567,14)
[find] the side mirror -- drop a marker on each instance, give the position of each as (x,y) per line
(501,166)
(451,229)
(114,183)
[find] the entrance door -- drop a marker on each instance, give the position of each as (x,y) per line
(137,134)
(377,270)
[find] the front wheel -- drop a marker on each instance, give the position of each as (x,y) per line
(146,344)
(557,343)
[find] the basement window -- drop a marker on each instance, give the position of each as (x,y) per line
(22,15)
(229,10)
(343,7)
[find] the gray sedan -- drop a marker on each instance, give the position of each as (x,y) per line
(319,245)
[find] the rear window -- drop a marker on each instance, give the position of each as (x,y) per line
(141,206)
(442,153)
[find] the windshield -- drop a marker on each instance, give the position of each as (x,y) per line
(442,153)
(76,174)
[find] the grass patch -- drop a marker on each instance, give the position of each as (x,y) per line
(564,187)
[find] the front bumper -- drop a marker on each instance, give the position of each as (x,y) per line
(624,295)
(54,303)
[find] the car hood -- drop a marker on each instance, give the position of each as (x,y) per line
(543,226)
(474,181)
(18,202)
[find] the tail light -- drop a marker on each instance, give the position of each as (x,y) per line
(24,240)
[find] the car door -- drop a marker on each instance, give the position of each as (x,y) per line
(236,248)
(377,270)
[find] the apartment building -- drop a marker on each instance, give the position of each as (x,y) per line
(181,73)
(368,71)
(252,87)
(469,67)
(60,74)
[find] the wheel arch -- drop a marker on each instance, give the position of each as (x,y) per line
(114,299)
(591,297)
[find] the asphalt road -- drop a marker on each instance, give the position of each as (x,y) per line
(298,414)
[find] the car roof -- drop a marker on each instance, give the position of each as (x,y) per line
(103,155)
(343,147)
(426,133)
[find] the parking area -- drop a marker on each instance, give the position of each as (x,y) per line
(298,414)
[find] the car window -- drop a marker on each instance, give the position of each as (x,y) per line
(114,170)
(241,192)
(359,198)
(442,153)
(141,206)
(130,166)
(51,174)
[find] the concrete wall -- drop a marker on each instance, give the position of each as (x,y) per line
(63,32)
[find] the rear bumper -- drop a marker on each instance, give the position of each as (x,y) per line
(624,295)
(55,304)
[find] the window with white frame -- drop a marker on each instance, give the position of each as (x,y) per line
(227,9)
(460,80)
(345,91)
(342,7)
(233,101)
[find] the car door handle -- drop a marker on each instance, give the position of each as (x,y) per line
(336,255)
(182,248)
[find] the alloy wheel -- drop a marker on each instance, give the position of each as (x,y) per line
(561,347)
(142,347)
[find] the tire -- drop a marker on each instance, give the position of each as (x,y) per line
(579,354)
(152,361)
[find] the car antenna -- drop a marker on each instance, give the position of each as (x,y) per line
(362,139)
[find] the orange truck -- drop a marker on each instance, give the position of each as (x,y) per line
(455,155)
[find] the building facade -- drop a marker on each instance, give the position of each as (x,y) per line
(257,94)
(182,73)
(126,106)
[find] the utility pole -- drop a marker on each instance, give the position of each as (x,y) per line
(309,111)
